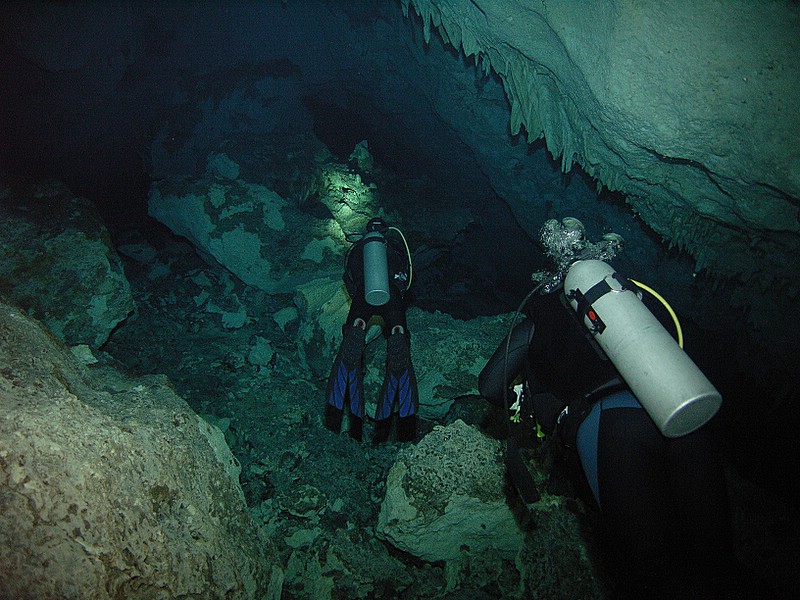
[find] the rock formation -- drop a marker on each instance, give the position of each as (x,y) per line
(111,486)
(57,262)
(445,502)
(686,107)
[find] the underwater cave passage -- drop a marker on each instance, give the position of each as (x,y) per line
(482,268)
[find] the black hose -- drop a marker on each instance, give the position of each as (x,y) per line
(517,470)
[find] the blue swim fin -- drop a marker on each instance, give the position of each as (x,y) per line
(347,381)
(400,383)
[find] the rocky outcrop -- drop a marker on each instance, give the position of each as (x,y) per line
(445,501)
(272,241)
(58,263)
(111,486)
(445,496)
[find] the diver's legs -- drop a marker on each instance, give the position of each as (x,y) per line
(640,517)
(333,418)
(698,480)
(381,431)
(407,428)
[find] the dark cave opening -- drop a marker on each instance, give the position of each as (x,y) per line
(118,190)
(339,128)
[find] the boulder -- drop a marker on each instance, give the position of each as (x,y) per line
(444,498)
(446,501)
(274,231)
(110,486)
(57,262)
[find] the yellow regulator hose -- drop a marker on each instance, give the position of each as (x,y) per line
(658,297)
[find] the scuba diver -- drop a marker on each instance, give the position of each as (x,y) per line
(377,275)
(611,389)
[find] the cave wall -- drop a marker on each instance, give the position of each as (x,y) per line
(111,486)
(686,107)
(683,106)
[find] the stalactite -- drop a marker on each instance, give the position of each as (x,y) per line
(469,42)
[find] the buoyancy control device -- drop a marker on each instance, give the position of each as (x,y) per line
(508,359)
(376,264)
(672,389)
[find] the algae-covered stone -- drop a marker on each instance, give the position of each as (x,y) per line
(250,230)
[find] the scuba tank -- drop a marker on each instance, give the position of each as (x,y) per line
(376,264)
(671,388)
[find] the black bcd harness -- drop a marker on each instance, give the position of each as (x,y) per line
(593,294)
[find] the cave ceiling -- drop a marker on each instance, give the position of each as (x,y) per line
(685,107)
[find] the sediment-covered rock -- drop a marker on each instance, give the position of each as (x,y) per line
(446,501)
(445,497)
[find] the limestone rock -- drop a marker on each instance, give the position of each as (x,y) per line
(57,262)
(444,498)
(361,156)
(267,241)
(449,354)
(446,501)
(229,222)
(355,566)
(111,486)
(322,307)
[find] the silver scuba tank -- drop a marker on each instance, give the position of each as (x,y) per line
(672,389)
(376,266)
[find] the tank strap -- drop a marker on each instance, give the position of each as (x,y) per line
(593,294)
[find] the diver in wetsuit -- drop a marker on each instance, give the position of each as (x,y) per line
(654,474)
(377,275)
